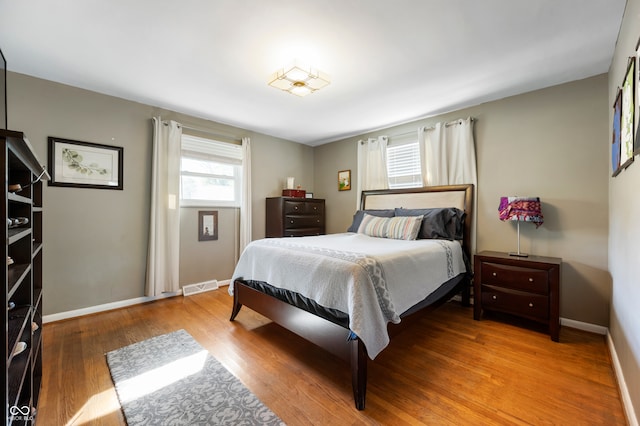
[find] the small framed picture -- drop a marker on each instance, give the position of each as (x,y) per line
(84,164)
(309,195)
(344,180)
(207,225)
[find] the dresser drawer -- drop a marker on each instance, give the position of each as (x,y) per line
(314,208)
(291,221)
(294,207)
(302,232)
(515,277)
(515,302)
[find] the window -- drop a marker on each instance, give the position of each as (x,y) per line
(403,165)
(210,172)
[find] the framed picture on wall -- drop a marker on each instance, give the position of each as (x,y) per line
(344,180)
(615,139)
(627,128)
(636,140)
(84,164)
(207,225)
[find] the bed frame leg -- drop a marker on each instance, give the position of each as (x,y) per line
(236,305)
(359,372)
(466,294)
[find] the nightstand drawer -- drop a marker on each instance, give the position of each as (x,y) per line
(515,277)
(515,302)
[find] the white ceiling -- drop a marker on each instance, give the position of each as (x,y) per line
(390,62)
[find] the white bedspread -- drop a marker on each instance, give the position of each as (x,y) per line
(373,280)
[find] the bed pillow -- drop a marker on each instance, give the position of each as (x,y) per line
(397,228)
(357,218)
(438,223)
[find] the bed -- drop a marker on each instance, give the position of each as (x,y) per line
(325,288)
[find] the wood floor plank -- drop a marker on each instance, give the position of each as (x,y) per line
(447,369)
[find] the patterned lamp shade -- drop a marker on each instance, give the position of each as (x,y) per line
(522,209)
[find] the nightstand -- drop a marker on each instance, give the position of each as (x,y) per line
(528,287)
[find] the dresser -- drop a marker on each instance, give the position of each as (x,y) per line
(294,217)
(527,287)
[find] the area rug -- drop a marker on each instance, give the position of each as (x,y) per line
(172,380)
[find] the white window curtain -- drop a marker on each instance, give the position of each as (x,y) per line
(448,153)
(164,223)
(372,165)
(448,157)
(245,206)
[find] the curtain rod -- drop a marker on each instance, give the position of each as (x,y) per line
(450,123)
(207,132)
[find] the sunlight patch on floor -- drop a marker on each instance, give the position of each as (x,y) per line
(160,377)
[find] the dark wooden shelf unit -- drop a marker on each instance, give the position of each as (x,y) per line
(22,277)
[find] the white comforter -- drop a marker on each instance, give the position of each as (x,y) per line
(373,280)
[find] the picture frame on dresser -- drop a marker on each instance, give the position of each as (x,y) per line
(79,164)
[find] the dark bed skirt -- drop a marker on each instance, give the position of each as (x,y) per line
(338,317)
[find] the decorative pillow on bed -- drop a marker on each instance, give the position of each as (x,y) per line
(357,218)
(438,223)
(398,228)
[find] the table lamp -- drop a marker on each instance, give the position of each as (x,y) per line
(521,209)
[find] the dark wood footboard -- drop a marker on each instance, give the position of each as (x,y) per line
(329,336)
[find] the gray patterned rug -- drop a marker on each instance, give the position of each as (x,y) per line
(172,380)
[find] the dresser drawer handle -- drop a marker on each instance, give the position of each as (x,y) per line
(531,304)
(295,208)
(495,274)
(494,297)
(292,221)
(530,280)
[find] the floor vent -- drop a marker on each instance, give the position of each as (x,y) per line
(190,289)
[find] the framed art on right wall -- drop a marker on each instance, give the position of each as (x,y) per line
(615,137)
(627,118)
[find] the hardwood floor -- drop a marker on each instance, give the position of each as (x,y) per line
(446,369)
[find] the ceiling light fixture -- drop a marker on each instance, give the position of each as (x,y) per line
(299,79)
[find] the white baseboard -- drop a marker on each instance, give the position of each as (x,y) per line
(105,307)
(585,326)
(114,305)
(632,418)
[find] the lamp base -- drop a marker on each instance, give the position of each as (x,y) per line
(518,254)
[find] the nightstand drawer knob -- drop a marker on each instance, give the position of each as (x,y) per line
(495,274)
(530,280)
(292,221)
(494,297)
(530,304)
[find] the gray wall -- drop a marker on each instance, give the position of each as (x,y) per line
(624,228)
(550,143)
(96,240)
